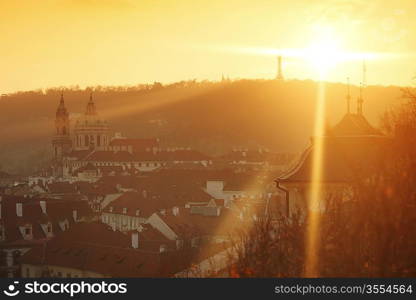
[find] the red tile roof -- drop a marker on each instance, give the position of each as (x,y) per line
(78,154)
(96,248)
(186,224)
(61,188)
(353,125)
(136,144)
(117,156)
(56,211)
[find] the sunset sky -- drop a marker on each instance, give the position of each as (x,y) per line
(49,43)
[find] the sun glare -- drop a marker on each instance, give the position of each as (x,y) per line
(325,50)
(323,56)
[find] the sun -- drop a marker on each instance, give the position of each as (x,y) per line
(324,51)
(323,55)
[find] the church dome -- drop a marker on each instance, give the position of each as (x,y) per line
(91,118)
(90,130)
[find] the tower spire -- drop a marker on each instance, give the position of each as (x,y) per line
(91,107)
(279,68)
(364,74)
(61,107)
(360,101)
(348,96)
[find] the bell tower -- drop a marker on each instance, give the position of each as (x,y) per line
(61,141)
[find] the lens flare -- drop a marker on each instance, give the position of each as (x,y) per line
(315,192)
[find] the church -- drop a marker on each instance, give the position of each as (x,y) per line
(352,150)
(85,149)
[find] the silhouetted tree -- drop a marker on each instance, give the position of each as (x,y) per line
(371,235)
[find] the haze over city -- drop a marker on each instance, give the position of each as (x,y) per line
(201,139)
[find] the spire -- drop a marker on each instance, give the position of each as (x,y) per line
(61,107)
(348,96)
(91,107)
(364,74)
(360,101)
(279,68)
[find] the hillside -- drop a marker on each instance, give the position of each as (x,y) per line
(211,117)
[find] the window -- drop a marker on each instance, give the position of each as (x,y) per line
(124,210)
(179,244)
(111,209)
(27,272)
(68,275)
(28,231)
(137,212)
(162,248)
(49,228)
(59,274)
(194,242)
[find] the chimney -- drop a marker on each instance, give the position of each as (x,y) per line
(135,240)
(175,211)
(19,209)
(75,215)
(43,206)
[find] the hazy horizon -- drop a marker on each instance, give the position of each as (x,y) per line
(113,43)
(167,83)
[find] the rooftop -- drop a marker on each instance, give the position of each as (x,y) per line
(351,148)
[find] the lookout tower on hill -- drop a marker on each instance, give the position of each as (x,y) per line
(279,75)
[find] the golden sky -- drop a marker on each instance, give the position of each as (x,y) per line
(47,43)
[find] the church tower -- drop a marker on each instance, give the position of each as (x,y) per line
(61,141)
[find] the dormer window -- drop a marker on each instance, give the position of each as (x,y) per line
(194,242)
(162,248)
(110,209)
(64,225)
(28,231)
(179,244)
(49,228)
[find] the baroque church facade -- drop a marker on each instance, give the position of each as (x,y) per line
(89,132)
(86,149)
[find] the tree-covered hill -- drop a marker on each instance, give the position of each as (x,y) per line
(213,117)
